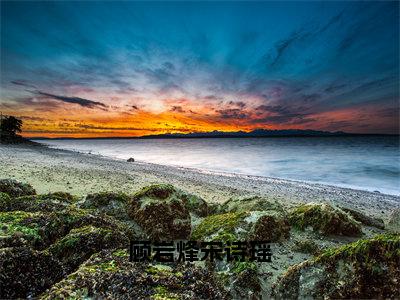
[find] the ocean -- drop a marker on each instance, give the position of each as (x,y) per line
(362,162)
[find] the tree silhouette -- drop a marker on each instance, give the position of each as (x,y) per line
(10,126)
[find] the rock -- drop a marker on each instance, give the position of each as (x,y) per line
(110,275)
(221,227)
(245,281)
(131,159)
(325,219)
(162,212)
(366,220)
(25,273)
(113,204)
(15,188)
(80,243)
(394,221)
(41,229)
(4,201)
(251,204)
(236,226)
(306,246)
(270,226)
(47,202)
(363,269)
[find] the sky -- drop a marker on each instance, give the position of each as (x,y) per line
(93,69)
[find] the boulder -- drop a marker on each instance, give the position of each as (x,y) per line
(236,226)
(15,188)
(270,226)
(363,269)
(4,201)
(307,246)
(80,243)
(39,203)
(41,229)
(394,221)
(194,204)
(162,208)
(110,275)
(25,273)
(131,159)
(162,212)
(113,204)
(251,204)
(324,219)
(366,220)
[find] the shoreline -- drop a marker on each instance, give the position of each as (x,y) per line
(51,169)
(243,176)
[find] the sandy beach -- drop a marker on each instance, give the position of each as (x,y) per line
(51,170)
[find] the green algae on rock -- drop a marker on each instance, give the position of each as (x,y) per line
(5,200)
(366,220)
(107,275)
(307,246)
(234,226)
(368,268)
(394,221)
(325,219)
(222,227)
(16,188)
(37,203)
(80,243)
(270,226)
(113,204)
(40,229)
(161,212)
(157,192)
(25,273)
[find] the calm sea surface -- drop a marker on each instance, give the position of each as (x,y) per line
(368,163)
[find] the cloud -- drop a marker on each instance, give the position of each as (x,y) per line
(94,127)
(232,113)
(75,100)
(177,108)
(335,87)
(23,83)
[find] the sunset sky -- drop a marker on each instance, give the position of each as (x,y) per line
(90,69)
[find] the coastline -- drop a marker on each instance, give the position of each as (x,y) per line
(50,170)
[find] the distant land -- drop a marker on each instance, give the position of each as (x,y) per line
(258,133)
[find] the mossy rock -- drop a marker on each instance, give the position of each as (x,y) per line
(236,226)
(16,188)
(255,203)
(40,229)
(307,246)
(221,227)
(25,273)
(39,203)
(270,226)
(168,192)
(161,212)
(394,221)
(4,201)
(325,219)
(80,243)
(113,204)
(111,275)
(368,268)
(246,285)
(364,219)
